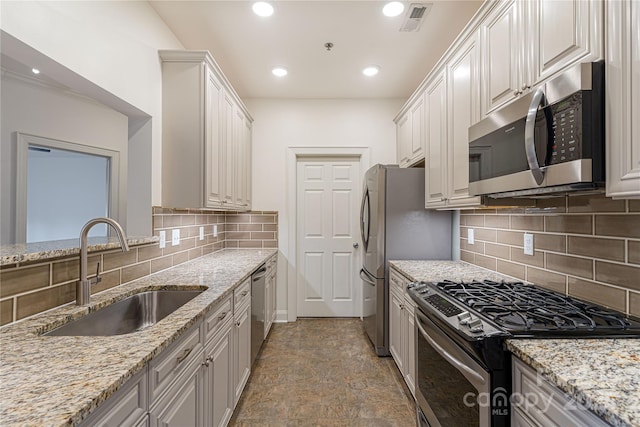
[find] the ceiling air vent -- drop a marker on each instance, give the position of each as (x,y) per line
(414,17)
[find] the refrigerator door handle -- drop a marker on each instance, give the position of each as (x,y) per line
(365,204)
(365,276)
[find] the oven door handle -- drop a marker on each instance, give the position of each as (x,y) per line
(448,356)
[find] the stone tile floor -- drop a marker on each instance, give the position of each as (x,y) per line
(323,372)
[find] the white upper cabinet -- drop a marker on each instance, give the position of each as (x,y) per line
(502,34)
(464,111)
(411,134)
(206,135)
(436,133)
(622,74)
(528,42)
(566,32)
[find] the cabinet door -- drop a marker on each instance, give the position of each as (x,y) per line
(567,32)
(417,130)
(214,176)
(464,111)
(239,187)
(503,55)
(404,133)
(396,308)
(228,160)
(219,397)
(436,159)
(247,163)
(183,403)
(622,76)
(410,335)
(242,350)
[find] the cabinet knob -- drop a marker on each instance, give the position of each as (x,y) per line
(517,93)
(526,87)
(356,245)
(223,315)
(238,323)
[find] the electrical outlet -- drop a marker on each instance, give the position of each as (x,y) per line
(470,238)
(175,237)
(528,244)
(215,230)
(201,233)
(163,239)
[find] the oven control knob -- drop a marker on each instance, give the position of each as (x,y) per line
(475,325)
(464,317)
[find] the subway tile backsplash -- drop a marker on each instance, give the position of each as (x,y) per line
(585,246)
(27,289)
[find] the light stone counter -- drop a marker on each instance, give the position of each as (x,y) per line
(601,374)
(43,251)
(55,381)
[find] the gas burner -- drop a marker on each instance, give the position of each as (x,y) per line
(520,308)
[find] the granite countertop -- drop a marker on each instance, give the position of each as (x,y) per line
(55,381)
(601,374)
(42,251)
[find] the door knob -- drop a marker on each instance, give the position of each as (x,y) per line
(356,245)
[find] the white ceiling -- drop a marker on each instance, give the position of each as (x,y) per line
(247,46)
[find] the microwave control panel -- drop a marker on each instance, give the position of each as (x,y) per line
(566,128)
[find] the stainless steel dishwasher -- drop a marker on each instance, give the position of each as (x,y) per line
(257,310)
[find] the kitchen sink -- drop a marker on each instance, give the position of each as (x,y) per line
(132,314)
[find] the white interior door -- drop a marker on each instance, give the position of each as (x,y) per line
(328,197)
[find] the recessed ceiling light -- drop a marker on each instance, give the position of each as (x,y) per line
(393,8)
(35,71)
(262,8)
(279,71)
(371,71)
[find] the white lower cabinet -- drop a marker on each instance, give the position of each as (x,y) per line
(270,295)
(402,338)
(127,407)
(242,350)
(218,363)
(183,403)
(538,403)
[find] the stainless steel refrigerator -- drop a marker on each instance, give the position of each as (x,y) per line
(395,226)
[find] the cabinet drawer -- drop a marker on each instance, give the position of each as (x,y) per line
(544,404)
(217,317)
(242,294)
(127,407)
(397,281)
(170,364)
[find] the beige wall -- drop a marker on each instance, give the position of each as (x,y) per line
(28,289)
(283,123)
(587,247)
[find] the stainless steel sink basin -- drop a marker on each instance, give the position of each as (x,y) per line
(132,314)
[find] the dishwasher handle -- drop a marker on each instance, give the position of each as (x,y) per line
(259,274)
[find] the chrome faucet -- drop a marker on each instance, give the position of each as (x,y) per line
(83,286)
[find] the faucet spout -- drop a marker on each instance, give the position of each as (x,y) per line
(83,286)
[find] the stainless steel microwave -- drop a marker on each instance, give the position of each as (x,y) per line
(550,140)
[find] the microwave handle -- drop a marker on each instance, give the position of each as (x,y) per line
(529,135)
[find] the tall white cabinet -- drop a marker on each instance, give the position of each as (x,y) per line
(206,135)
(622,74)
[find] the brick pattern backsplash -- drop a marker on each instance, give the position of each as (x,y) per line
(30,288)
(585,246)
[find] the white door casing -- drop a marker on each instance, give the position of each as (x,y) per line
(328,197)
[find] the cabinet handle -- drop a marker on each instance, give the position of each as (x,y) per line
(223,315)
(517,92)
(525,87)
(185,354)
(210,359)
(206,363)
(244,293)
(238,323)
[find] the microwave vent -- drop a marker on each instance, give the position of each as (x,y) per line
(415,16)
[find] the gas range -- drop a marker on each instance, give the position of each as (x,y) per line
(481,309)
(463,370)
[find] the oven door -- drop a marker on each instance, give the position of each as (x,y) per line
(450,386)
